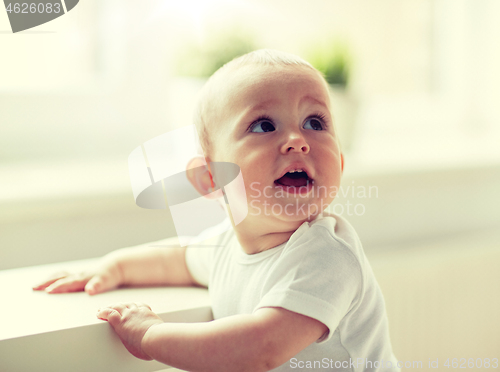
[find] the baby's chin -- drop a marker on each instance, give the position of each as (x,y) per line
(293,211)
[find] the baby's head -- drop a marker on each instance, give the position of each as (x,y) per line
(270,113)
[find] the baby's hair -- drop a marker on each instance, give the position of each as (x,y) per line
(206,108)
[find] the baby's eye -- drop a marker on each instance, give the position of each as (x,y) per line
(313,123)
(262,126)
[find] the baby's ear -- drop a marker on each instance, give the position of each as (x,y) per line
(342,162)
(198,173)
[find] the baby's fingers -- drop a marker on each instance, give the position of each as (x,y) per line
(100,283)
(109,314)
(51,279)
(72,283)
(113,314)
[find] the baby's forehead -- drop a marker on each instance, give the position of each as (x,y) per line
(259,78)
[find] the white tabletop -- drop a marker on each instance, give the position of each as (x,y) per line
(60,332)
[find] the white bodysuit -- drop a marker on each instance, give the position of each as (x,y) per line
(321,272)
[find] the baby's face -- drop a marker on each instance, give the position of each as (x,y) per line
(278,127)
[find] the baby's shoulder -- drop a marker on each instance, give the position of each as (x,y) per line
(328,239)
(330,229)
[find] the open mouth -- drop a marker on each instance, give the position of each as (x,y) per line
(295,178)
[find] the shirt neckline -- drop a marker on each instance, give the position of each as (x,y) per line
(244,258)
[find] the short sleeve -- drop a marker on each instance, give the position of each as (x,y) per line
(317,275)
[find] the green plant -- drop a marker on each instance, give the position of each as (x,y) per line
(204,60)
(333,62)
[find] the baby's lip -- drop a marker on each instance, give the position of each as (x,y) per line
(295,166)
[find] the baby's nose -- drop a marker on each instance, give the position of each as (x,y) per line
(295,143)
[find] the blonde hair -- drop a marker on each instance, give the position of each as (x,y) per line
(207,108)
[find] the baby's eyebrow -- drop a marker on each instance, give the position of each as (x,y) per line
(311,98)
(264,105)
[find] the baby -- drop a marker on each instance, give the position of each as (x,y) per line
(291,288)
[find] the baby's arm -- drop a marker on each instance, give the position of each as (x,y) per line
(252,342)
(141,265)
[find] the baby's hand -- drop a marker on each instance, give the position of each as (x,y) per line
(130,321)
(93,282)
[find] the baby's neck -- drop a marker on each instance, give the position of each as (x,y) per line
(259,236)
(256,244)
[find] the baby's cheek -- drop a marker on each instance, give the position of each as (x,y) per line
(254,191)
(256,198)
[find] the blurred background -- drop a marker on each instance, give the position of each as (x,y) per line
(415,87)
